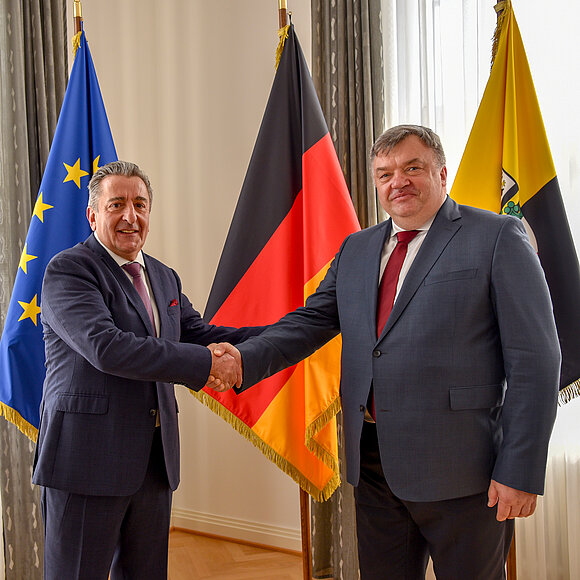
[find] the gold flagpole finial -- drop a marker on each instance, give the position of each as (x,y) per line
(77,15)
(78,26)
(282,13)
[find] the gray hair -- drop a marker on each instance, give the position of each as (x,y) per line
(393,136)
(124,168)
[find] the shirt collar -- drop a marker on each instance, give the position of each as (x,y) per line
(120,260)
(395,229)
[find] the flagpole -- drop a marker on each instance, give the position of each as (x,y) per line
(304,498)
(500,9)
(77,15)
(282,13)
(305,529)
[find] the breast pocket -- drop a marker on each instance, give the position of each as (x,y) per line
(172,322)
(439,277)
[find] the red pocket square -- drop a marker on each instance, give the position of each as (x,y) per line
(173,303)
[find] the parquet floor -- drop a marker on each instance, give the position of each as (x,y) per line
(196,557)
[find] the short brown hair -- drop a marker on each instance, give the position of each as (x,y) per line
(395,135)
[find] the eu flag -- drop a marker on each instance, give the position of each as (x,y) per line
(81,144)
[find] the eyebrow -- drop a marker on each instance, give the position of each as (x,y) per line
(409,162)
(122,198)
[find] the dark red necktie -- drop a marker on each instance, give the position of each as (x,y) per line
(134,270)
(388,289)
(388,286)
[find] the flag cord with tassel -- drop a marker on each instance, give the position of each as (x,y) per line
(501,11)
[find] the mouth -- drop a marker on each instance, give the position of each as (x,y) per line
(398,195)
(126,232)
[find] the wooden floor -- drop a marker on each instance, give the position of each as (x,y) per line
(197,557)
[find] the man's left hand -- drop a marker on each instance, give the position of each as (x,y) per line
(511,503)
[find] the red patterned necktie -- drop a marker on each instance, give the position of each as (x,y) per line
(134,270)
(388,289)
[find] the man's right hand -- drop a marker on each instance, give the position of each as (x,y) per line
(226,367)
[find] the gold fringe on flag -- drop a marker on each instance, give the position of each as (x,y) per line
(568,393)
(283,34)
(273,456)
(502,8)
(23,425)
(314,428)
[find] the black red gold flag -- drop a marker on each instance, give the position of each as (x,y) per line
(293,212)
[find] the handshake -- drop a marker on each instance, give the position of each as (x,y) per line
(226,367)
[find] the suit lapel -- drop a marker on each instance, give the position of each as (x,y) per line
(155,279)
(165,395)
(373,265)
(444,227)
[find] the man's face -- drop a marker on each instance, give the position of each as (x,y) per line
(410,185)
(122,219)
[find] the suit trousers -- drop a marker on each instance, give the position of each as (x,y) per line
(396,537)
(88,536)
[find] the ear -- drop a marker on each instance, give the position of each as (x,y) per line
(92,218)
(443,175)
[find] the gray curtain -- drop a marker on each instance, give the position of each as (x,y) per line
(347,68)
(33,78)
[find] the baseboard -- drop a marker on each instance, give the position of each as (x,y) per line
(252,532)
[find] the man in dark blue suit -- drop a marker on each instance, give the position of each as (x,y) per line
(463,375)
(107,456)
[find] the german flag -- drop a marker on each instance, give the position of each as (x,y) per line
(507,167)
(293,212)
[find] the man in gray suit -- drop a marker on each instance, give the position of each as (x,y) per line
(116,340)
(462,378)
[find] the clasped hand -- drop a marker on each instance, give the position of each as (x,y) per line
(226,367)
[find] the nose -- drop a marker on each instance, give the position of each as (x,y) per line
(399,179)
(130,215)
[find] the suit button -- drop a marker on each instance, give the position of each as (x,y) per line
(362,408)
(377,353)
(152,412)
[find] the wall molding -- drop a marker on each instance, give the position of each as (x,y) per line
(244,530)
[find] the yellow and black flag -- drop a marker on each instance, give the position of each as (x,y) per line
(507,167)
(293,213)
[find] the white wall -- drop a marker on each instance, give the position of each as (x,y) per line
(185,84)
(550,37)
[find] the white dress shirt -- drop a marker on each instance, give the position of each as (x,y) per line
(412,251)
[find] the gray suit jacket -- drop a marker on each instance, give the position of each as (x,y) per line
(107,373)
(465,373)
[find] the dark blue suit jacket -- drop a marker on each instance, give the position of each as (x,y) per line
(466,371)
(107,373)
